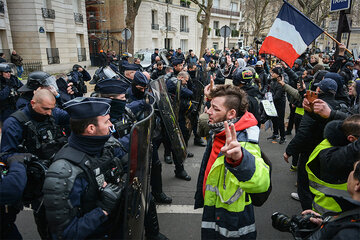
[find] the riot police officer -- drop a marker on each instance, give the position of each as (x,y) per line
(129,71)
(78,76)
(9,84)
(35,129)
(35,80)
(12,184)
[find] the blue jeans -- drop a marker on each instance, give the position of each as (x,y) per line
(20,71)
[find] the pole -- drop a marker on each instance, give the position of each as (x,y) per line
(337,42)
(125,39)
(108,40)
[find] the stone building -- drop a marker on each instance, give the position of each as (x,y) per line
(6,42)
(51,33)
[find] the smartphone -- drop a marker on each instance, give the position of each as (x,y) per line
(311,96)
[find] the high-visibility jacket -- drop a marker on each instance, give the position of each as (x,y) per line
(228,212)
(319,188)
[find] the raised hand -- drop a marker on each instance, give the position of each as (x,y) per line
(209,87)
(232,148)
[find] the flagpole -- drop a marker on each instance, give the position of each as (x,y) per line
(337,42)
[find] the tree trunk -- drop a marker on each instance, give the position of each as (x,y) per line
(205,32)
(130,24)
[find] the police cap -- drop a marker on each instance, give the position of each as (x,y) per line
(140,79)
(131,67)
(87,107)
(112,86)
(177,61)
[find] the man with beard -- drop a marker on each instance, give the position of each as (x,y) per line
(158,71)
(231,166)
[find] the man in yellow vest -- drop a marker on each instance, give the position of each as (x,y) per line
(331,162)
(232,167)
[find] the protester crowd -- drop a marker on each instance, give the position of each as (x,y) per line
(219,98)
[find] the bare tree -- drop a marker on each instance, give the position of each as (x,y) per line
(205,8)
(132,8)
(316,10)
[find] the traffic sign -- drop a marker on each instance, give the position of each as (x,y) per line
(225,31)
(333,26)
(338,5)
(126,34)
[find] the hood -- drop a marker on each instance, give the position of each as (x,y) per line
(337,77)
(333,132)
(241,62)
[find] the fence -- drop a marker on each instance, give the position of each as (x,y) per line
(31,66)
(53,55)
(81,54)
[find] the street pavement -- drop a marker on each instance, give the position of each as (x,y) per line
(180,221)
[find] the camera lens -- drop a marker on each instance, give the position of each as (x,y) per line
(280,222)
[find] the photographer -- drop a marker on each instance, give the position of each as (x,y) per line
(345,225)
(251,58)
(78,76)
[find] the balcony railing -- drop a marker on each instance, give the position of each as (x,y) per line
(225,12)
(48,13)
(183,29)
(78,17)
(155,26)
(168,1)
(53,55)
(81,54)
(185,4)
(2,7)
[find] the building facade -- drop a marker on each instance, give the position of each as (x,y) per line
(5,32)
(52,33)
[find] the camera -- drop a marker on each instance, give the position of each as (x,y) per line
(299,226)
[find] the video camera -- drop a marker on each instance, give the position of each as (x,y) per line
(299,226)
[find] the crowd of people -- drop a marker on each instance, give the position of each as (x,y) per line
(219,98)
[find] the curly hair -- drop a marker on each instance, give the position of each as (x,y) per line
(236,98)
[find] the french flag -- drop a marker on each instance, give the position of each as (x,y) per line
(290,35)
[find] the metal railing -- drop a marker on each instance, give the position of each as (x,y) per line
(31,66)
(2,7)
(78,17)
(48,13)
(53,55)
(155,26)
(81,54)
(225,12)
(7,54)
(183,29)
(168,1)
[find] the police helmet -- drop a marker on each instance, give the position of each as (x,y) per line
(242,76)
(37,79)
(4,67)
(76,67)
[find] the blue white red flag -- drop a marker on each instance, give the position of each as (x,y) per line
(290,35)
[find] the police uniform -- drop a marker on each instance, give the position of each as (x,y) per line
(8,93)
(72,197)
(12,185)
(129,67)
(31,132)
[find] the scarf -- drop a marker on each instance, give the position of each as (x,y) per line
(92,145)
(219,126)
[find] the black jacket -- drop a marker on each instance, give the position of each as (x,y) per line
(278,93)
(310,132)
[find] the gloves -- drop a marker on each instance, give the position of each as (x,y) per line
(20,158)
(109,197)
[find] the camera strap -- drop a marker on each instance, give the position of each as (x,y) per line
(343,215)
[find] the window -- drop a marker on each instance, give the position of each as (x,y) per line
(168,43)
(80,47)
(216,24)
(154,20)
(167,19)
(184,24)
(234,7)
(216,4)
(233,26)
(344,36)
(184,44)
(215,45)
(47,3)
(76,6)
(51,50)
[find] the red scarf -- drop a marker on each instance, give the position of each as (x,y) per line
(246,121)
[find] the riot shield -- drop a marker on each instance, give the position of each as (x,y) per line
(131,214)
(172,128)
(198,90)
(13,68)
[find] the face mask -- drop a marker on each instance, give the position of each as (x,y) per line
(137,93)
(192,73)
(258,69)
(117,108)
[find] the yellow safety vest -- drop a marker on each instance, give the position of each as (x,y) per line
(300,111)
(319,188)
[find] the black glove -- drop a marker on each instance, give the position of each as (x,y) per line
(109,197)
(20,158)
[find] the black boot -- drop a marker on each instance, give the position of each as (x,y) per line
(182,174)
(162,198)
(152,230)
(168,159)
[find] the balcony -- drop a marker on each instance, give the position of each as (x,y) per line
(78,17)
(184,29)
(225,12)
(48,13)
(155,26)
(81,54)
(2,7)
(53,55)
